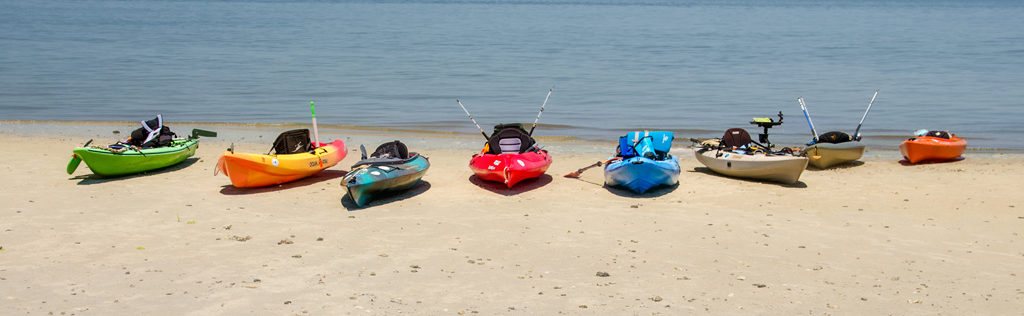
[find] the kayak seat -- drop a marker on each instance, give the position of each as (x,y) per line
(292,142)
(735,137)
(153,133)
(395,149)
(388,154)
(512,139)
(939,134)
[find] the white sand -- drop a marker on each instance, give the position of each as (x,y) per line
(876,238)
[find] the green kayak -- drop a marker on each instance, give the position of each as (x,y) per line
(107,161)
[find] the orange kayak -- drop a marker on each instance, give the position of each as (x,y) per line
(930,148)
(257,170)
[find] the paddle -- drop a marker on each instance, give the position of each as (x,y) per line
(316,135)
(474,120)
(856,134)
(576,174)
(541,110)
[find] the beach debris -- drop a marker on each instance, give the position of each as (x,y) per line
(296,256)
(287,302)
(140,248)
(383,255)
(285,241)
(634,206)
(227,227)
(759,285)
(116,132)
(583,306)
(603,274)
(656,298)
(319,239)
(240,238)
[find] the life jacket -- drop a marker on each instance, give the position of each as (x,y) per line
(153,133)
(509,139)
(292,142)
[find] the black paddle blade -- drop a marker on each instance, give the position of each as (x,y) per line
(362,149)
(201,132)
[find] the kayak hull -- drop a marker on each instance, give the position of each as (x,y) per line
(927,148)
(825,155)
(108,163)
(257,170)
(368,182)
(640,174)
(783,169)
(510,169)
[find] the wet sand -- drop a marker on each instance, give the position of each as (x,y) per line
(876,237)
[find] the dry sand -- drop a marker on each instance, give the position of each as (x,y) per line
(872,238)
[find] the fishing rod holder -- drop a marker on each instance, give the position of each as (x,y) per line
(766,123)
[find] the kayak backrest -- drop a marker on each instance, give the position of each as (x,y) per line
(395,149)
(735,137)
(510,139)
(153,133)
(292,142)
(834,137)
(939,134)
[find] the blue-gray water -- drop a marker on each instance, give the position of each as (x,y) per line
(696,67)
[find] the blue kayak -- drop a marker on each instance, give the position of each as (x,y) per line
(643,162)
(640,174)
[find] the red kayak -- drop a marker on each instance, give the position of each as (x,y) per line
(510,168)
(940,147)
(511,155)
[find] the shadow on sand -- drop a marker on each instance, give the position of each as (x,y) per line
(316,178)
(906,162)
(90,179)
(799,184)
(652,193)
(500,188)
(386,197)
(845,165)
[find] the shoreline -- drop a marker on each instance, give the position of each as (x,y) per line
(869,238)
(682,136)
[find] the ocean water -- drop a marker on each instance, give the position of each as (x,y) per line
(695,67)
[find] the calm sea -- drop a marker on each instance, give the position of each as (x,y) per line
(696,67)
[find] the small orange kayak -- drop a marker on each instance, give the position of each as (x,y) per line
(258,170)
(933,148)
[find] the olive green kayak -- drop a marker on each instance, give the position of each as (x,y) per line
(107,161)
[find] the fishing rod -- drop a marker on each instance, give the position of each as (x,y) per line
(541,110)
(316,134)
(856,134)
(471,119)
(808,117)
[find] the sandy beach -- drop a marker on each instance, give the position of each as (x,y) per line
(876,237)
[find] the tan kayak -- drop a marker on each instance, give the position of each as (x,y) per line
(778,168)
(824,155)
